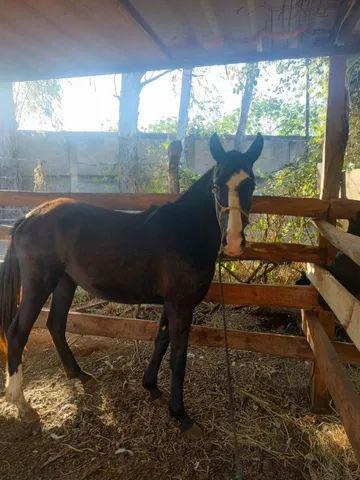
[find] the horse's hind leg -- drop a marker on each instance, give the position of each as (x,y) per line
(35,293)
(56,323)
(152,370)
(180,316)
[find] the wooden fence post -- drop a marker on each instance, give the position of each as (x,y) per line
(319,393)
(174,152)
(337,130)
(336,135)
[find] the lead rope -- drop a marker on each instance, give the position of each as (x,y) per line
(239,475)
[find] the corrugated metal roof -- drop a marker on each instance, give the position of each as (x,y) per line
(63,38)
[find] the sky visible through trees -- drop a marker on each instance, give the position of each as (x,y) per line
(278,105)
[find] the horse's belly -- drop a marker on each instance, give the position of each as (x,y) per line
(123,285)
(122,294)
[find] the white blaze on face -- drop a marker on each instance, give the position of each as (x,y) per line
(234,228)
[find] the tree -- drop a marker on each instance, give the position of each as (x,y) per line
(129,100)
(8,123)
(251,74)
(183,117)
(352,156)
(25,98)
(7,110)
(40,98)
(309,77)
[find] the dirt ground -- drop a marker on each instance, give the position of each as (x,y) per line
(109,430)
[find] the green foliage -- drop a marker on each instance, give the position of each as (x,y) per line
(151,173)
(281,113)
(164,125)
(297,179)
(275,116)
(352,156)
(38,98)
(186,178)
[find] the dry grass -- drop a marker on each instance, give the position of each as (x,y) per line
(110,431)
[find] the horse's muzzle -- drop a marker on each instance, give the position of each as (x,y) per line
(235,248)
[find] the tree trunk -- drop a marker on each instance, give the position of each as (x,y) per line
(128,120)
(8,124)
(251,76)
(7,110)
(129,103)
(174,152)
(184,103)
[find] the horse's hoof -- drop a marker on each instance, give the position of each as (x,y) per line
(160,400)
(30,416)
(86,378)
(193,433)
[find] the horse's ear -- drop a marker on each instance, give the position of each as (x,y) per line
(216,148)
(255,148)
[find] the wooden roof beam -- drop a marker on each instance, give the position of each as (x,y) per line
(212,21)
(254,25)
(348,23)
(140,20)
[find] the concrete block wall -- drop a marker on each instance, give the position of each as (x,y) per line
(88,161)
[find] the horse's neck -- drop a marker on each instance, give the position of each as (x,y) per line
(198,205)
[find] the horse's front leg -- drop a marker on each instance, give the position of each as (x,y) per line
(161,344)
(179,326)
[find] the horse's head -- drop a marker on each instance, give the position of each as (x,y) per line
(233,188)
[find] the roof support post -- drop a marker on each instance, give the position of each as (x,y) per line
(336,133)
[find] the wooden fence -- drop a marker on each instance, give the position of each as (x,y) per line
(326,355)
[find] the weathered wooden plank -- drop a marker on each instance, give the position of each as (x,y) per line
(282,252)
(346,398)
(346,242)
(297,207)
(348,23)
(289,296)
(319,393)
(135,329)
(343,208)
(336,132)
(345,306)
(123,201)
(306,207)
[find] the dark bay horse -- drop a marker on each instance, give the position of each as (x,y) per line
(165,255)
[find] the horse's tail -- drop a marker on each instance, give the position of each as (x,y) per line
(10,286)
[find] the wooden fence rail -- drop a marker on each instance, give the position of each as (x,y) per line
(345,306)
(346,242)
(341,389)
(287,296)
(299,207)
(146,330)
